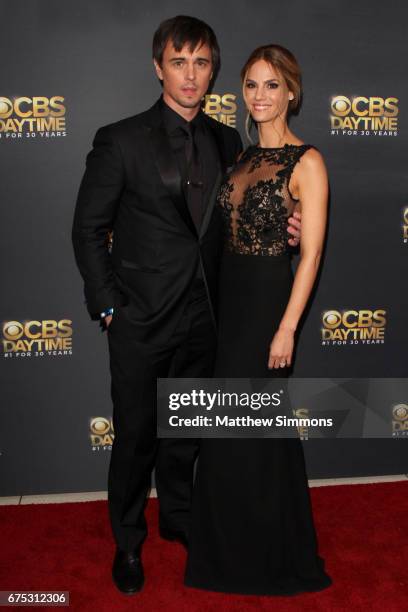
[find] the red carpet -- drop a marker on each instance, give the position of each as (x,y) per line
(362,534)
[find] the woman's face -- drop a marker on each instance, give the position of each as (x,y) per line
(265,92)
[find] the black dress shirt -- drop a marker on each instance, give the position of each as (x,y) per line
(205,143)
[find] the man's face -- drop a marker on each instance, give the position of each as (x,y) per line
(186,76)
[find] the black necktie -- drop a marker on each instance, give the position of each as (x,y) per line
(194,183)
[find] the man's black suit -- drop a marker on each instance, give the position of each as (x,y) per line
(162,324)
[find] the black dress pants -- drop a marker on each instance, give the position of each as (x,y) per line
(135,367)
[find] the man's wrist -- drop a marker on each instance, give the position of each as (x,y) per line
(106,313)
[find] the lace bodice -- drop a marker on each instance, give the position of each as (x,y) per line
(256,202)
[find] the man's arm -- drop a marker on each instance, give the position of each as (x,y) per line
(96,206)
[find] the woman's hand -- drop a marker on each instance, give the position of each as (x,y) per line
(281,349)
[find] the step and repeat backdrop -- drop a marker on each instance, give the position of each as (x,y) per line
(70,67)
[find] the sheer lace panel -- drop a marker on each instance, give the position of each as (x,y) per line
(256,202)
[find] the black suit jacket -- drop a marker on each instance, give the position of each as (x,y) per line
(132,185)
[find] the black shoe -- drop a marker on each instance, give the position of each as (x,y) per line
(127,571)
(174,536)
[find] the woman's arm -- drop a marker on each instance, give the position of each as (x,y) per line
(312,182)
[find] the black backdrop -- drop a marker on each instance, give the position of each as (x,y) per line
(81,65)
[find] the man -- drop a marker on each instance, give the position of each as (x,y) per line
(153,178)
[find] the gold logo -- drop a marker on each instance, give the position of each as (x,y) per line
(13,330)
(400,420)
(353,327)
(101,433)
(364,116)
(331,319)
(30,117)
(303,430)
(37,338)
(6,108)
(222,108)
(405,224)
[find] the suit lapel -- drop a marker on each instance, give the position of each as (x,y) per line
(211,204)
(216,132)
(167,166)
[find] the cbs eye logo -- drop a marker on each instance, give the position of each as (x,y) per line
(341,106)
(361,106)
(400,412)
(100,426)
(6,108)
(331,319)
(400,420)
(13,330)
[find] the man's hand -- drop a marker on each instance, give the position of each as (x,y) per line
(108,320)
(294,228)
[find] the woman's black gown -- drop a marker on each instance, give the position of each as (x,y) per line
(252,528)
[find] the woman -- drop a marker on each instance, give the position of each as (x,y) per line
(252,526)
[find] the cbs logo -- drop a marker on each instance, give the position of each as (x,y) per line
(38,106)
(215,104)
(405,223)
(400,412)
(100,426)
(400,418)
(14,330)
(361,106)
(354,318)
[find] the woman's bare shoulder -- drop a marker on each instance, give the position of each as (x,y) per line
(312,160)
